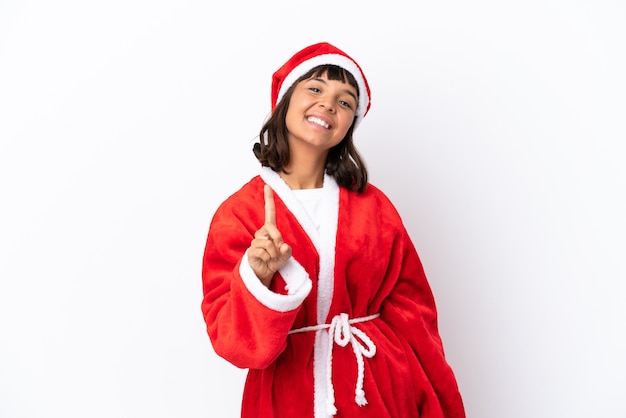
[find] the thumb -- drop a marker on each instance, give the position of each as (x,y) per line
(285,251)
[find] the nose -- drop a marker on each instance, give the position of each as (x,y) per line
(327,104)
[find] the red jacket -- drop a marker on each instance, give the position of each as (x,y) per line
(387,359)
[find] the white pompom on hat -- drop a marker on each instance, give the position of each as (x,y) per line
(315,55)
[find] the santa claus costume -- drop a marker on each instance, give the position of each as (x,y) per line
(348,326)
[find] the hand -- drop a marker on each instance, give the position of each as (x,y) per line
(268,253)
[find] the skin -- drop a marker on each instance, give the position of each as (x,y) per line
(320,113)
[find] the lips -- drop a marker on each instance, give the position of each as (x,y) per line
(318,121)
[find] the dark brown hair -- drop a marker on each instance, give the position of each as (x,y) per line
(343,162)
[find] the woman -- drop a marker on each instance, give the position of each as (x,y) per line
(310,279)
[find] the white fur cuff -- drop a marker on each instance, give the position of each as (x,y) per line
(298,285)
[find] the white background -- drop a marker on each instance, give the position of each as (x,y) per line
(497,128)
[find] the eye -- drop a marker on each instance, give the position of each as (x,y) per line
(314,89)
(345,104)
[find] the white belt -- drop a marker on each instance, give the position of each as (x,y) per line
(341,331)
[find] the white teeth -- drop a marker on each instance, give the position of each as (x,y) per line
(318,121)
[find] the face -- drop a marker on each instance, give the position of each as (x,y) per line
(320,113)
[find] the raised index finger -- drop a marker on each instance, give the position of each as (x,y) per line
(270,208)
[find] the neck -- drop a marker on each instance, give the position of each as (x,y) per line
(305,173)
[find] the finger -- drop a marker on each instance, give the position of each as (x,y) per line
(259,254)
(269,233)
(266,245)
(270,207)
(285,251)
(262,233)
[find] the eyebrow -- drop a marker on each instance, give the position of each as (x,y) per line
(347,91)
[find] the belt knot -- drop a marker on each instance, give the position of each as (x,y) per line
(342,331)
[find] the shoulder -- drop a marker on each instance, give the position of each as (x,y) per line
(373,191)
(375,202)
(374,195)
(250,195)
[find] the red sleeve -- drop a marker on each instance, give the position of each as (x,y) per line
(246,322)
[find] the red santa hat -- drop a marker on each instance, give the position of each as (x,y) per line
(315,55)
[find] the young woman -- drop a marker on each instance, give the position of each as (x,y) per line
(310,279)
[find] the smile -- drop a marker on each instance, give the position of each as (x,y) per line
(318,121)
